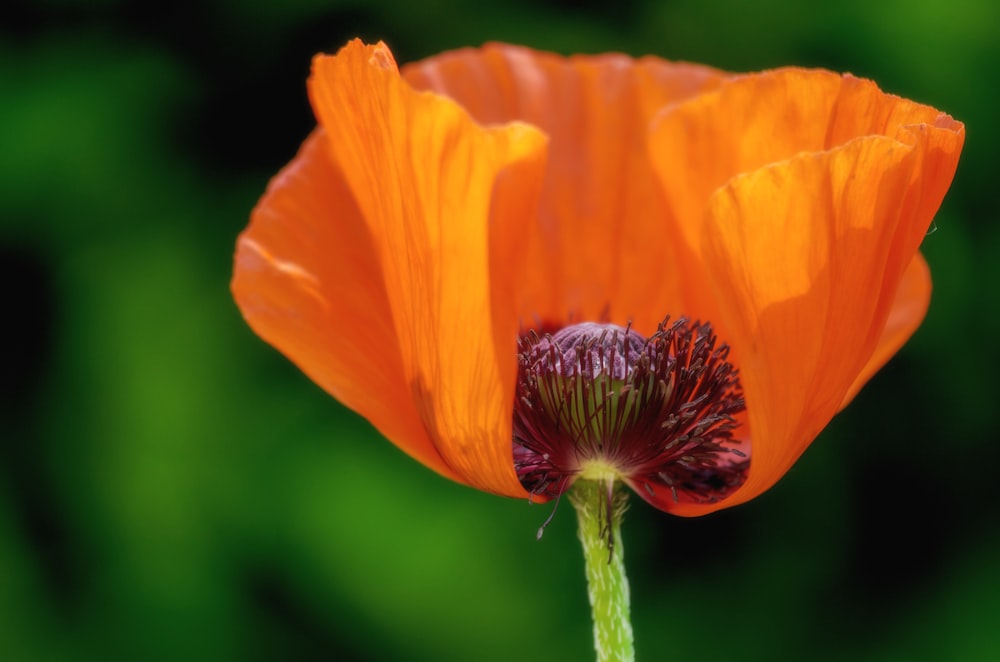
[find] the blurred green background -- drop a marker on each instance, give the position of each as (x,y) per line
(172,488)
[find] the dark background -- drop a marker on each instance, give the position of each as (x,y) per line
(172,488)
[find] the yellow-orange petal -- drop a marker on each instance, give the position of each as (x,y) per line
(805,259)
(603,243)
(422,173)
(907,312)
(307,280)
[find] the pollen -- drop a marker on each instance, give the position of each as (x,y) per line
(601,402)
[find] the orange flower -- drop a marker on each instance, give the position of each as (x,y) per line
(438,213)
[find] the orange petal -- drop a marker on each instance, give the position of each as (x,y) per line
(757,119)
(422,173)
(801,260)
(308,282)
(602,245)
(805,259)
(907,312)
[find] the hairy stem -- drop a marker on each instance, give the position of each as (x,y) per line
(599,509)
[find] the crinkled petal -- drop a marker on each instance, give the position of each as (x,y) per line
(602,246)
(423,173)
(758,119)
(307,280)
(805,259)
(802,198)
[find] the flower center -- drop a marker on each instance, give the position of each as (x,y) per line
(600,402)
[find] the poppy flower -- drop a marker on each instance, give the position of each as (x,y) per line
(522,268)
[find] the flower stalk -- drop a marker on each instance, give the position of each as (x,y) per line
(599,509)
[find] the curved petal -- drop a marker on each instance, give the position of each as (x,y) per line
(602,246)
(805,259)
(422,173)
(798,261)
(758,119)
(907,312)
(308,282)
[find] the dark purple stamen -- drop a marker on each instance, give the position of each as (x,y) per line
(657,413)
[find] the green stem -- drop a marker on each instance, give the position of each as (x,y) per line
(607,584)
